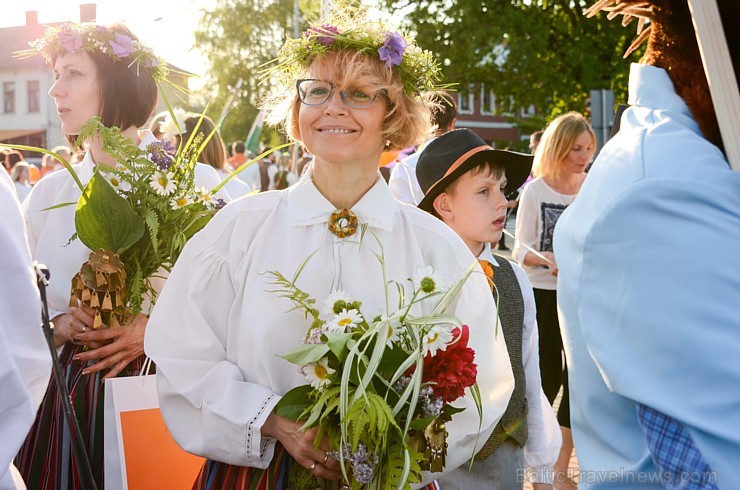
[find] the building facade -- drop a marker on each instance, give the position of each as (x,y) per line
(480,111)
(28,115)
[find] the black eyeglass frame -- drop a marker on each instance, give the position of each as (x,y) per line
(342,94)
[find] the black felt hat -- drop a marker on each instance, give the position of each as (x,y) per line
(451,155)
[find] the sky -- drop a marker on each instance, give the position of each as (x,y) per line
(165,25)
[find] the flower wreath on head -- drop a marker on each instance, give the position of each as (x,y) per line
(70,37)
(416,68)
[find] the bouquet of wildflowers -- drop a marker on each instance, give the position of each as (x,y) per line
(380,389)
(136,217)
(143,210)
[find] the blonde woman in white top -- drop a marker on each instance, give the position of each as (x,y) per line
(218,330)
(566,149)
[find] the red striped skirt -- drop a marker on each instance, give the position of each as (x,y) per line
(222,476)
(46,460)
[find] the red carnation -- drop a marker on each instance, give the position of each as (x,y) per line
(452,369)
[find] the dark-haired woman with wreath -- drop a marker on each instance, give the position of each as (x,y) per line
(101,71)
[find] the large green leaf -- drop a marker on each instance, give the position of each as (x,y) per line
(339,343)
(294,402)
(106,220)
(306,353)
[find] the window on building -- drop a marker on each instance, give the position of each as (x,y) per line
(9,97)
(529,111)
(487,101)
(33,96)
(466,101)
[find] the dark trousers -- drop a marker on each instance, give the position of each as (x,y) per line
(553,370)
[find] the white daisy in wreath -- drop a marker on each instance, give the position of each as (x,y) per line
(317,373)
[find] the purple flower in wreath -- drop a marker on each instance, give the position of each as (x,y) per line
(121,45)
(162,153)
(324,35)
(392,51)
(70,39)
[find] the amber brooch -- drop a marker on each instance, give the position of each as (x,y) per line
(343,223)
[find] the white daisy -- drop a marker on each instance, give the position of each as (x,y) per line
(427,280)
(345,321)
(205,196)
(394,333)
(317,373)
(180,202)
(162,183)
(172,127)
(436,339)
(331,307)
(117,183)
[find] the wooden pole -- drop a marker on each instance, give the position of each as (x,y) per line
(715,55)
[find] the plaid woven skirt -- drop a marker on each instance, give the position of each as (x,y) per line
(46,459)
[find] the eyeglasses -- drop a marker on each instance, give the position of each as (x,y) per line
(316,92)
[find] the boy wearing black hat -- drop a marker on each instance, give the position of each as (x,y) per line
(465,184)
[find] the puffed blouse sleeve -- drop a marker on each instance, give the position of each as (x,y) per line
(209,407)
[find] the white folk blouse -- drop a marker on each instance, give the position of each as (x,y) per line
(217,329)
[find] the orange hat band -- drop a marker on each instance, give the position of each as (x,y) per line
(462,159)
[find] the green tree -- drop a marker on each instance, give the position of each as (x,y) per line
(238,37)
(530,52)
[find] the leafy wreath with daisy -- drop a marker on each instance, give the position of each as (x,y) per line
(347,28)
(70,37)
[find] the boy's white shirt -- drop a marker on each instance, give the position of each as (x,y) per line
(544,439)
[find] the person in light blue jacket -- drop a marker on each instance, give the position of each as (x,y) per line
(650,321)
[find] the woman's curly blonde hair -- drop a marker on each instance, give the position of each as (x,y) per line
(408,116)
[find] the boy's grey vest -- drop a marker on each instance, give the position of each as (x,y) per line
(513,425)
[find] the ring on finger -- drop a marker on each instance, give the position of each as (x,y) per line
(84,328)
(311,468)
(326,458)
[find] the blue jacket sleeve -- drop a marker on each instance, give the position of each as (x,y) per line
(658,300)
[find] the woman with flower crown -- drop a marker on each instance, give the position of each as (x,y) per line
(351,90)
(98,71)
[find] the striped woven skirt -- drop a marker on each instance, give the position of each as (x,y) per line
(46,459)
(221,476)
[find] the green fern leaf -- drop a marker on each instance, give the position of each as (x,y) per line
(152,224)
